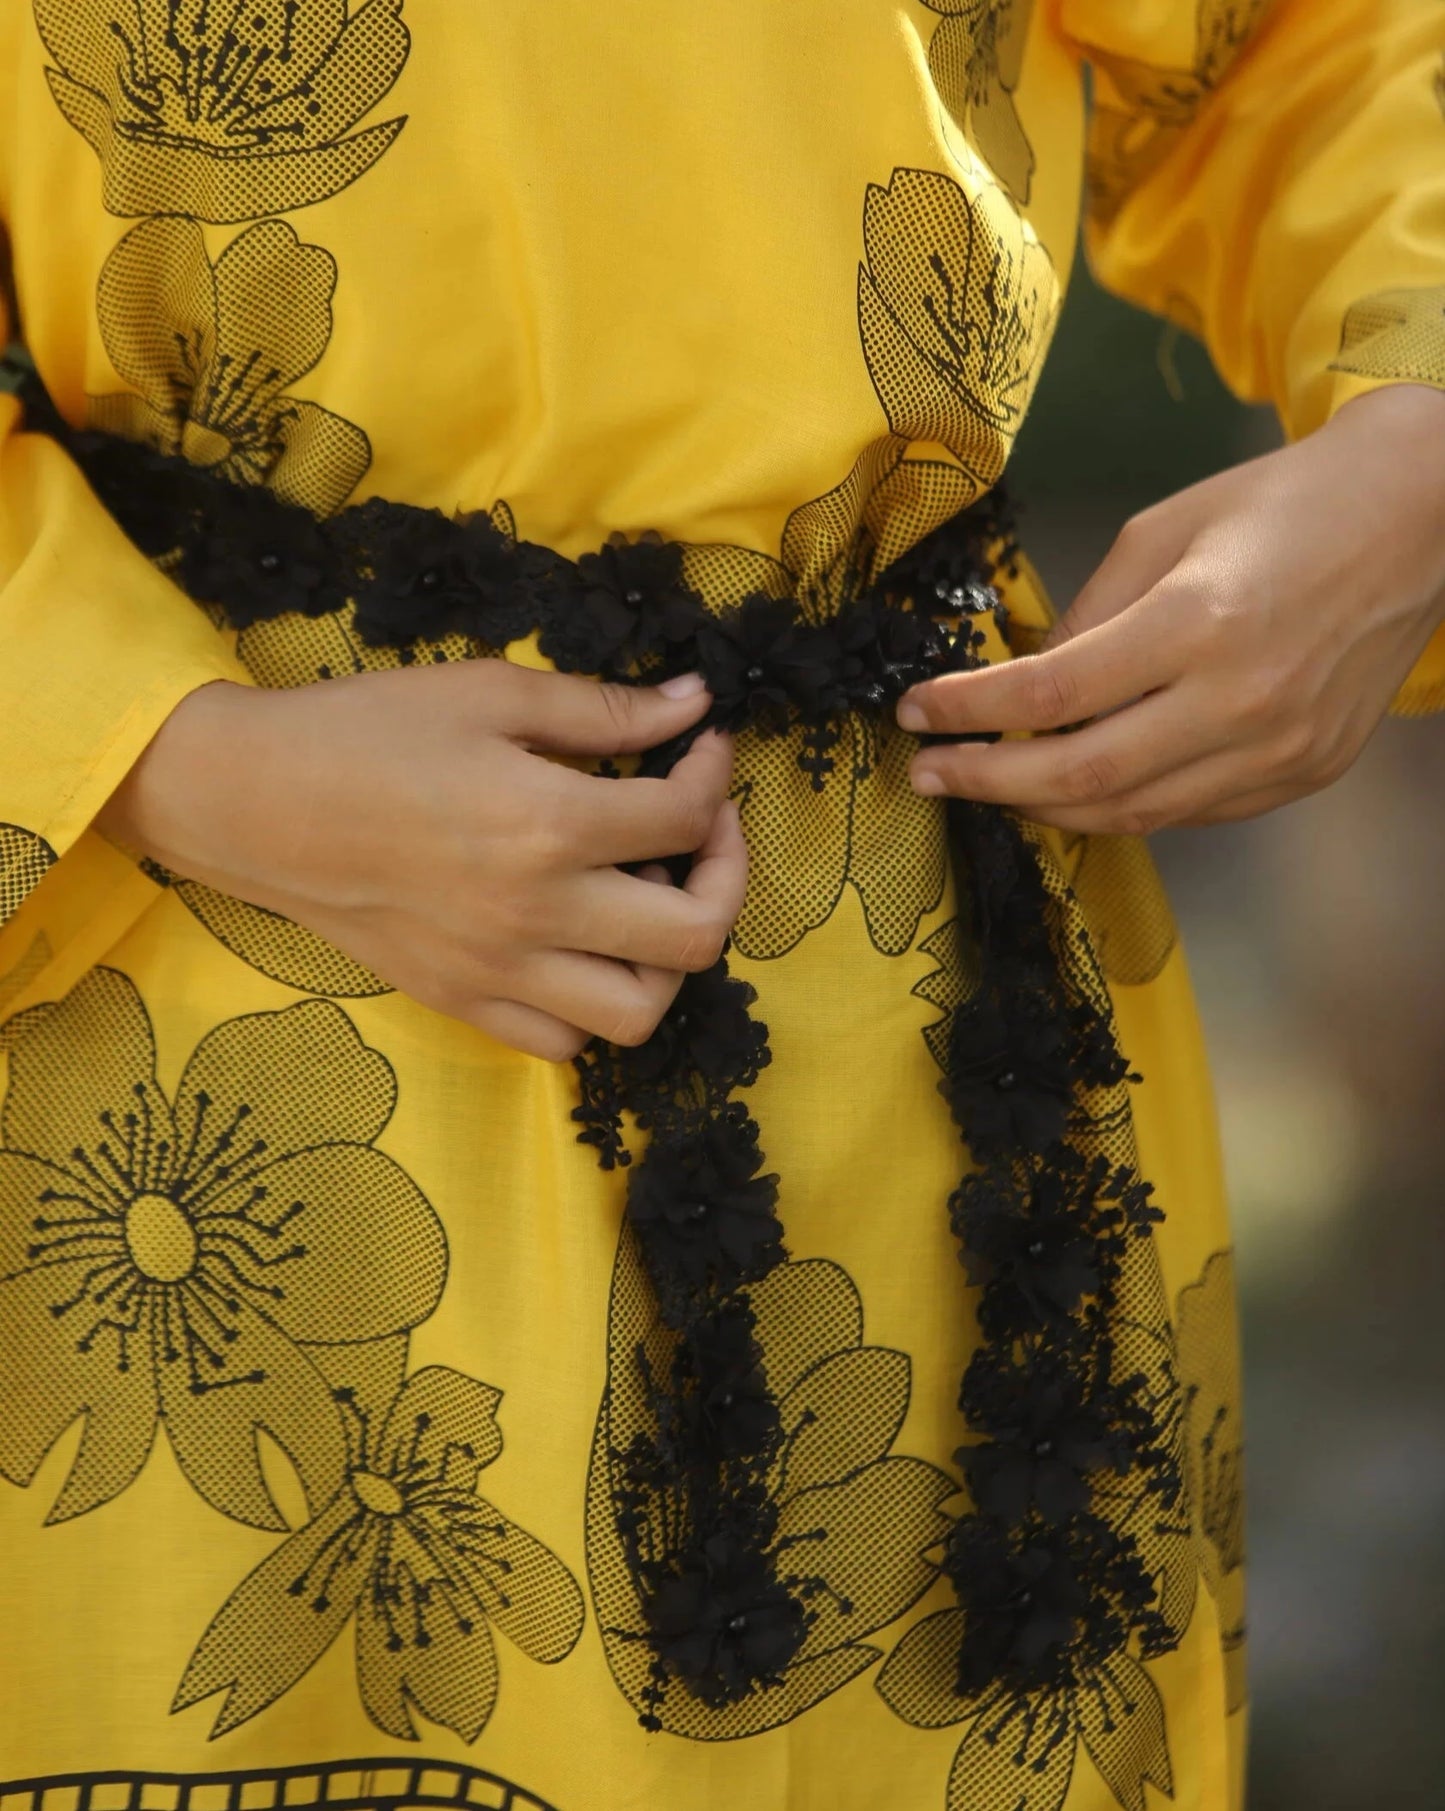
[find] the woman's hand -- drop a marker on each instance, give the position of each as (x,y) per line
(1234,651)
(413,819)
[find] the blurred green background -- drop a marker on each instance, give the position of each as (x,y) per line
(1318,949)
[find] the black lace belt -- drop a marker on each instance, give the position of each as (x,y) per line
(1069,1458)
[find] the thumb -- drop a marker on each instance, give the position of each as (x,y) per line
(1149,546)
(562,713)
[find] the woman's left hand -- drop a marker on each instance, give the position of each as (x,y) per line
(1236,648)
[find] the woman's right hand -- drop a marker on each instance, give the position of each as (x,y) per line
(414,820)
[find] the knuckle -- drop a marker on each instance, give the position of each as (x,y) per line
(692,820)
(559,1045)
(1258,698)
(619,701)
(1296,749)
(701,948)
(1050,695)
(1137,820)
(631,1026)
(1090,779)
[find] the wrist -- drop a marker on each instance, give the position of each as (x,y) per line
(175,794)
(1395,439)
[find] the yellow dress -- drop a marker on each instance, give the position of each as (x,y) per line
(316,1320)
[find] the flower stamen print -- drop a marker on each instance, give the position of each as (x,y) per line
(212,351)
(225,109)
(856,1524)
(426,1566)
(975,57)
(169,1262)
(956,302)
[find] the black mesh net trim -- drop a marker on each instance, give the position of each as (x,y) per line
(714,1598)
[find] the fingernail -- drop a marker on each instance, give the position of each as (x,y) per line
(927,782)
(685,685)
(910,715)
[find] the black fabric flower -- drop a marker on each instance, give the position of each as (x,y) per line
(724,1623)
(425,575)
(1023,1604)
(961,555)
(1010,1081)
(160,512)
(629,607)
(1046,1434)
(700,1208)
(730,1410)
(762,661)
(258,557)
(1038,1263)
(706,1031)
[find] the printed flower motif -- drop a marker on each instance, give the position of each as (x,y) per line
(957,302)
(424,1563)
(1021,1748)
(976,57)
(24,861)
(857,1519)
(1208,1336)
(1397,334)
(169,1260)
(1140,109)
(224,112)
(213,350)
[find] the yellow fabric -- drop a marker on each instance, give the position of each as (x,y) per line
(751,276)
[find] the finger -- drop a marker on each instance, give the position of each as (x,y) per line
(1109,758)
(526,1029)
(566,714)
(613,821)
(609,999)
(676,928)
(1204,791)
(1046,690)
(1098,671)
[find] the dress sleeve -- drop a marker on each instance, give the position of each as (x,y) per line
(97,647)
(1270,174)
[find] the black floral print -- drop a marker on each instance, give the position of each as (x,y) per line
(976,57)
(212,351)
(855,1523)
(1208,1348)
(178,1261)
(225,113)
(1398,334)
(1132,131)
(1021,1748)
(957,302)
(409,1549)
(25,858)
